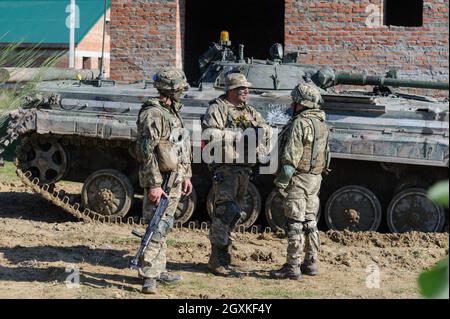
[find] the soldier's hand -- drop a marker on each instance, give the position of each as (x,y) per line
(187,187)
(155,193)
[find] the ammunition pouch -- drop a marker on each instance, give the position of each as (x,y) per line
(167,156)
(231,215)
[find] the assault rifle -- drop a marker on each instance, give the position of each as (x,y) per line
(168,180)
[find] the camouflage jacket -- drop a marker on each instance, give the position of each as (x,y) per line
(304,142)
(155,125)
(222,115)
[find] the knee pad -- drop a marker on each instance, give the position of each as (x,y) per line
(231,214)
(293,228)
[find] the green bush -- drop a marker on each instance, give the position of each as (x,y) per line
(434,282)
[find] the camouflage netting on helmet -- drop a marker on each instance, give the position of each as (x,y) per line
(170,78)
(307,95)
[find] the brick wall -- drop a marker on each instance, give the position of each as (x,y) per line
(335,33)
(144,37)
(147,34)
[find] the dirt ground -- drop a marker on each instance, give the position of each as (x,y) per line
(44,253)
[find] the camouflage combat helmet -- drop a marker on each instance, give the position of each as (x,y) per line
(307,95)
(170,78)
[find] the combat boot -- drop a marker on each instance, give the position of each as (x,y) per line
(232,260)
(213,261)
(149,286)
(169,278)
(287,272)
(219,262)
(309,269)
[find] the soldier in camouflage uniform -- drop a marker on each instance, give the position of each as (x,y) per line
(158,122)
(230,180)
(304,155)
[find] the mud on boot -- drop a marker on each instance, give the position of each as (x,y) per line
(169,278)
(309,269)
(149,286)
(287,272)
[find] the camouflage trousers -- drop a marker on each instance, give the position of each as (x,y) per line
(229,186)
(153,262)
(301,206)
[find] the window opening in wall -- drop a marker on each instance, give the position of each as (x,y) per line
(406,13)
(86,62)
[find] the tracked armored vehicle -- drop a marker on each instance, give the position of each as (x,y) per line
(387,147)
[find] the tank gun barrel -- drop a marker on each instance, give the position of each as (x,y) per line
(327,77)
(363,79)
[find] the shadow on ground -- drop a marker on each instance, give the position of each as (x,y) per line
(32,207)
(60,274)
(72,255)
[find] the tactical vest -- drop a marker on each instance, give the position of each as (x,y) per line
(168,155)
(316,155)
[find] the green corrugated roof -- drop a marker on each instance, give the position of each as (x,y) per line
(38,21)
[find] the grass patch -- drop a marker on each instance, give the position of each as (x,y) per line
(275,292)
(13,55)
(405,290)
(8,173)
(125,240)
(199,284)
(179,243)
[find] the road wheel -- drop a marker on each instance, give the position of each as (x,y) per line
(353,207)
(44,157)
(412,210)
(108,192)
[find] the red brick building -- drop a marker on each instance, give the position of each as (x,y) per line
(355,35)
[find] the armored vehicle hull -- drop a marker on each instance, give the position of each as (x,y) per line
(386,151)
(387,147)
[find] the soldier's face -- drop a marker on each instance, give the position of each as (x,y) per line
(242,93)
(176,96)
(296,107)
